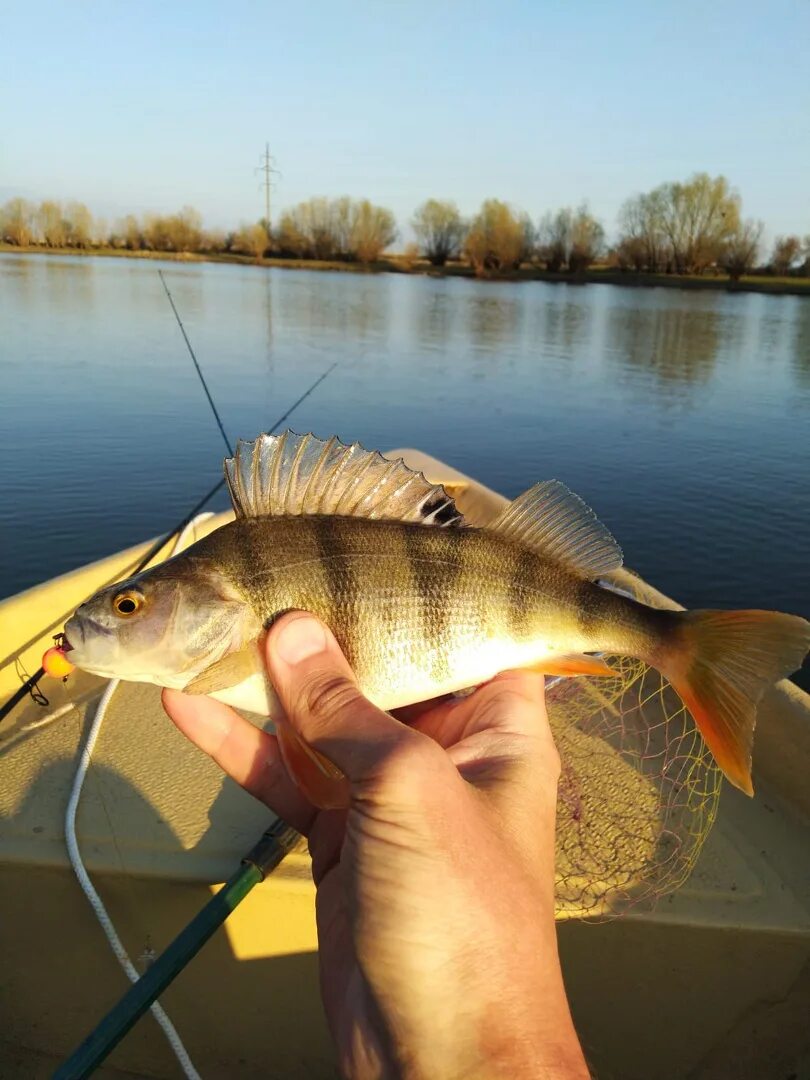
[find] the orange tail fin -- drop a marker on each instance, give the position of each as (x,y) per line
(721,663)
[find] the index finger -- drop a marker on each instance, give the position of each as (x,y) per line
(247,754)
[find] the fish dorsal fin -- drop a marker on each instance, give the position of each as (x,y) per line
(557,524)
(289,474)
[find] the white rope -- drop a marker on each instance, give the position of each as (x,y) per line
(79,868)
(57,714)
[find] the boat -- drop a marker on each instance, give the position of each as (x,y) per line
(713,981)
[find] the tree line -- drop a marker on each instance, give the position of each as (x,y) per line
(687,227)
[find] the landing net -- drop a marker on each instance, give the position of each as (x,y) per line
(638,790)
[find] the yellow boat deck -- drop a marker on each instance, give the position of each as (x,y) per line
(714,983)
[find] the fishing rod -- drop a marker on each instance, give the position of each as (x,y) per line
(277,842)
(29,685)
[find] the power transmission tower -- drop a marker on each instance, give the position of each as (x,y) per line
(268,167)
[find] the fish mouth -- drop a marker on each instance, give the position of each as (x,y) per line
(73,634)
(77,630)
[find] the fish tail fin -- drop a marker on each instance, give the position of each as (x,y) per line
(721,663)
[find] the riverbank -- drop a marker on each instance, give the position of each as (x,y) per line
(402,264)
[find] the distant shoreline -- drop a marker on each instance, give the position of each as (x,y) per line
(398,264)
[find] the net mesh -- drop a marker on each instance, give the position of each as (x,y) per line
(638,790)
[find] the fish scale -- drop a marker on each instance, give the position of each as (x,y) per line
(460,603)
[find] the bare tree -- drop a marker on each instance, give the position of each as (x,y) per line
(630,253)
(155,233)
(79,223)
(498,238)
(315,229)
(342,228)
(186,229)
(587,240)
(642,242)
(569,239)
(216,240)
(101,232)
(51,224)
(554,239)
(251,240)
(698,217)
(680,227)
(440,229)
(373,230)
(786,251)
(181,232)
(132,233)
(17,222)
(740,250)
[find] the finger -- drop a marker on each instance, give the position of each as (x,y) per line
(412,714)
(247,754)
(513,702)
(322,701)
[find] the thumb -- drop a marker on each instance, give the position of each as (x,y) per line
(322,702)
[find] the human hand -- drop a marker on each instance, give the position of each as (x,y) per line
(435,888)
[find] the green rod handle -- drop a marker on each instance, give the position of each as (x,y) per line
(277,842)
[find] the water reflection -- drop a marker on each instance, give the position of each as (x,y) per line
(564,327)
(435,321)
(493,320)
(800,354)
(321,302)
(71,283)
(675,346)
(267,285)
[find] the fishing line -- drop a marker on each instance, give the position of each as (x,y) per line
(217,417)
(29,686)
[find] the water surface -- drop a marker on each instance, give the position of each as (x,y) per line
(683,418)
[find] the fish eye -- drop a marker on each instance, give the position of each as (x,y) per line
(126,603)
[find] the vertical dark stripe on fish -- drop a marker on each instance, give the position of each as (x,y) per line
(436,564)
(340,582)
(519,614)
(589,610)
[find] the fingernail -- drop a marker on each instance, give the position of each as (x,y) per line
(299,639)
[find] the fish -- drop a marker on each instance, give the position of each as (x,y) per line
(422,603)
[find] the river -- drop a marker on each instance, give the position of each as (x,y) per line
(683,418)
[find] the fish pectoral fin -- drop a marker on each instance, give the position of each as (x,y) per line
(229,671)
(289,474)
(574,664)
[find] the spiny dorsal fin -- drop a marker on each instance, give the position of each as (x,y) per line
(556,523)
(289,474)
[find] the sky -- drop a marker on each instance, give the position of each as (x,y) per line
(150,106)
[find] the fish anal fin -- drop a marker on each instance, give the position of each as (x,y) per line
(231,670)
(289,474)
(573,664)
(558,525)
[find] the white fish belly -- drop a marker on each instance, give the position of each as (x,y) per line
(476,664)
